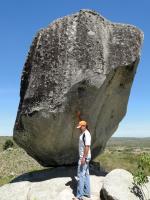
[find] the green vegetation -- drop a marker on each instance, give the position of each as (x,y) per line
(139,176)
(122,153)
(3,140)
(8,144)
(14,162)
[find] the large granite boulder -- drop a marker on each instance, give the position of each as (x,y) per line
(81,62)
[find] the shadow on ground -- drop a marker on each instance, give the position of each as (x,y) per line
(57,172)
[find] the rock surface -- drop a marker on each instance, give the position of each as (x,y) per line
(60,184)
(79,62)
(118,185)
(51,184)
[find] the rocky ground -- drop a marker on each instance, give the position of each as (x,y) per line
(60,184)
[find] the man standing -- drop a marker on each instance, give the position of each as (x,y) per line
(83,186)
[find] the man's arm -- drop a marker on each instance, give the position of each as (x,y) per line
(86,149)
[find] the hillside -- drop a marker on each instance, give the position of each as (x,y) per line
(119,153)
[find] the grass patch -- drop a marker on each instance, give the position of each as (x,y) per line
(124,160)
(6,179)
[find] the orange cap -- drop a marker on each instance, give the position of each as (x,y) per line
(81,123)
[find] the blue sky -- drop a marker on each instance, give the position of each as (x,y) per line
(19,22)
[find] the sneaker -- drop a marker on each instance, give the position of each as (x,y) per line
(87,196)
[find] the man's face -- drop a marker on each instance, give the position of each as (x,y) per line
(82,128)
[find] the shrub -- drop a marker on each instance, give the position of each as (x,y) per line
(139,176)
(9,143)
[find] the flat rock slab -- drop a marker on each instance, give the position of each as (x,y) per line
(48,185)
(60,184)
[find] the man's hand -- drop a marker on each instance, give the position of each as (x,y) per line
(83,161)
(86,149)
